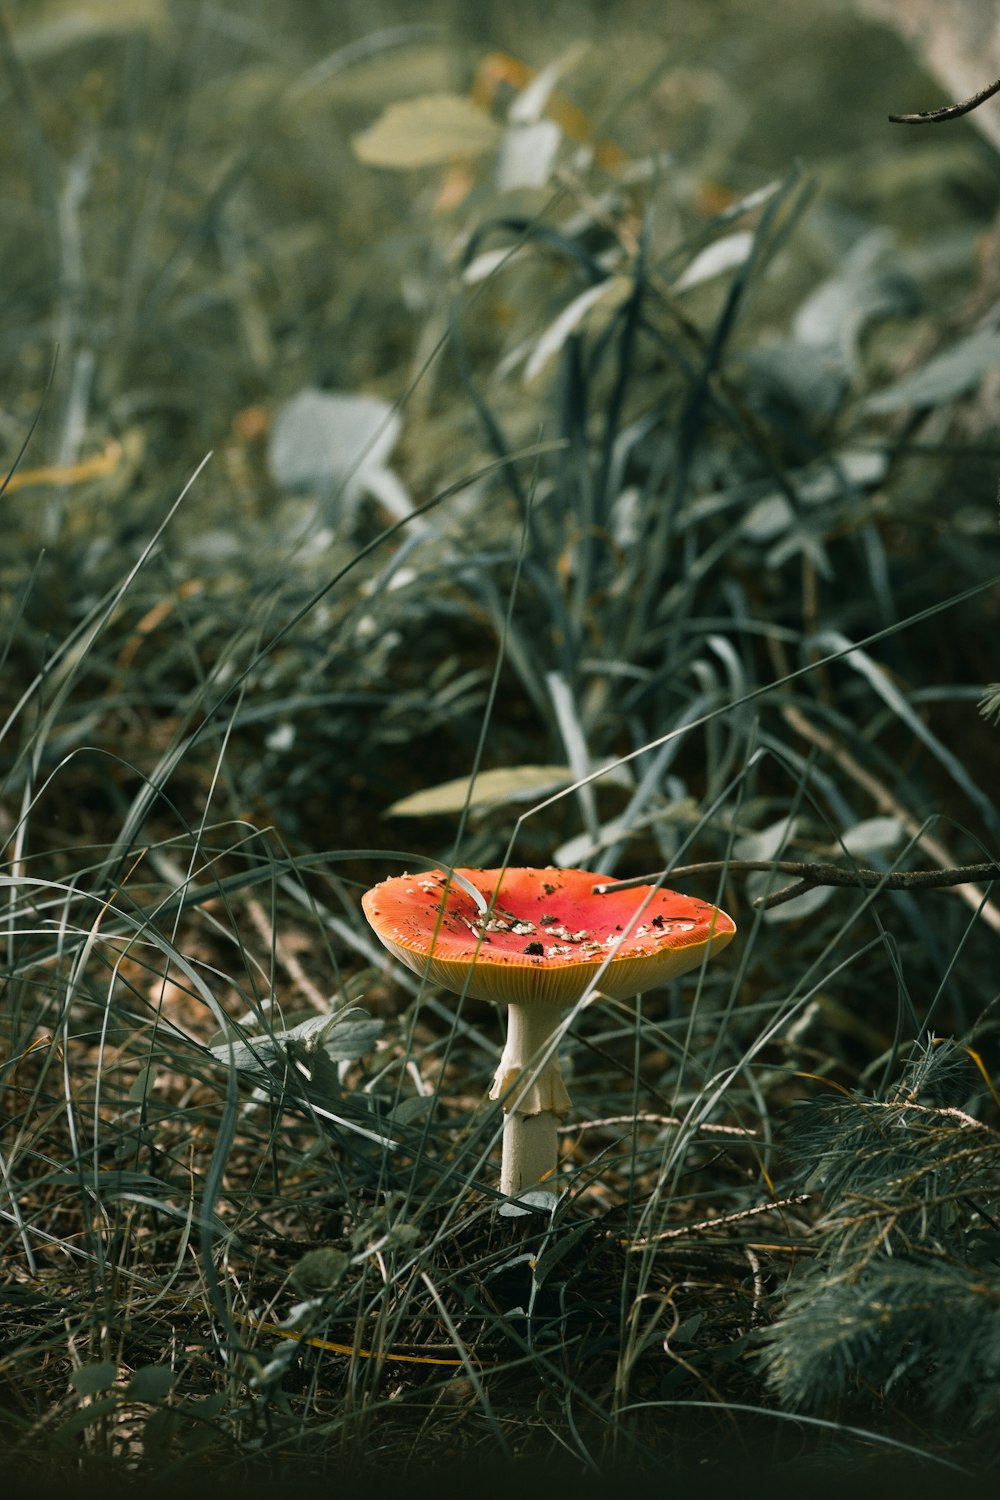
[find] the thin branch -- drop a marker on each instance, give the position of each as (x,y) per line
(735,1218)
(809,874)
(950,111)
(885,802)
(706,1125)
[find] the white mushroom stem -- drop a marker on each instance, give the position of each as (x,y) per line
(534,1098)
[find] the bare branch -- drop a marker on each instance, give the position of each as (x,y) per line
(809,874)
(919,832)
(735,1218)
(949,111)
(706,1125)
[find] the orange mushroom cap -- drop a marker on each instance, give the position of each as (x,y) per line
(544,935)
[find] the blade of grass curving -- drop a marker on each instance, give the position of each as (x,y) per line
(630,323)
(182,741)
(26,440)
(864,1434)
(575,744)
(481,744)
(575,493)
(68,656)
(472,1373)
(692,416)
(44,174)
(878,680)
(170,907)
(16,1217)
(753,695)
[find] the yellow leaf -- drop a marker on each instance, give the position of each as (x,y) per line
(428,131)
(490,788)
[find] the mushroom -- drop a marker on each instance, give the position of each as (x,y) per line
(539,940)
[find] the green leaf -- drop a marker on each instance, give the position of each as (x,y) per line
(686,1331)
(769,843)
(799,906)
(401,1236)
(607,295)
(957,370)
(343,1037)
(868,284)
(722,255)
(331,440)
(411,1111)
(320,1270)
(873,834)
(151,1383)
(90,1379)
(143,1085)
(489,788)
(426,132)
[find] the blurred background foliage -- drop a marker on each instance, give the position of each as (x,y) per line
(677,387)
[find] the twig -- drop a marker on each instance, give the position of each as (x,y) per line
(735,1218)
(286,958)
(707,1126)
(809,874)
(949,111)
(887,803)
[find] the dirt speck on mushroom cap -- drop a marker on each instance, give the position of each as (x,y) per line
(643,937)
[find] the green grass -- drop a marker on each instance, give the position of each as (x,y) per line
(248,1172)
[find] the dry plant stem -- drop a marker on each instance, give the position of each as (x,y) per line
(289,962)
(948,111)
(887,803)
(706,1126)
(737,1218)
(882,798)
(812,874)
(534,1098)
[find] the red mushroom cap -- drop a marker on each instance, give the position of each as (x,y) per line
(544,934)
